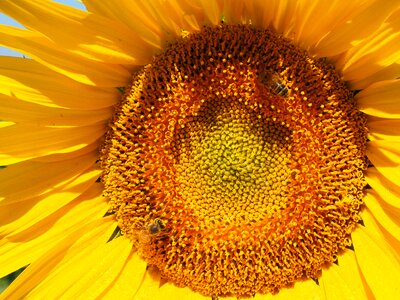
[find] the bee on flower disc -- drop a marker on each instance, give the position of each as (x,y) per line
(154,229)
(274,82)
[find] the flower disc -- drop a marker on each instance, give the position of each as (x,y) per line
(235,162)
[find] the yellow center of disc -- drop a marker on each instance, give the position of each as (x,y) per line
(235,163)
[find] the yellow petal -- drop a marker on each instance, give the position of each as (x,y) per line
(86,274)
(93,147)
(21,249)
(190,16)
(148,18)
(360,26)
(129,281)
(344,281)
(385,73)
(133,15)
(149,21)
(99,38)
(381,99)
(69,64)
(386,219)
(383,129)
(24,141)
(380,235)
(380,268)
(38,115)
(95,280)
(39,178)
(27,80)
(234,12)
(314,10)
(172,21)
(388,191)
(261,12)
(315,19)
(372,54)
(283,18)
(212,10)
(27,213)
(4,124)
(86,238)
(149,286)
(385,155)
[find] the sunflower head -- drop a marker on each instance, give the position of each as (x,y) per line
(212,138)
(201,149)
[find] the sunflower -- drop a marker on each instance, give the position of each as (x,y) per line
(201,149)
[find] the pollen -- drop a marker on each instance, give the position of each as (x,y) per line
(235,162)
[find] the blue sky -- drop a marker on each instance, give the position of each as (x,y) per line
(6,20)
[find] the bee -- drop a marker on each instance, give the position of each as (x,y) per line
(274,82)
(154,229)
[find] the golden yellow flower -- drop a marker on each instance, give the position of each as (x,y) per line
(201,149)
